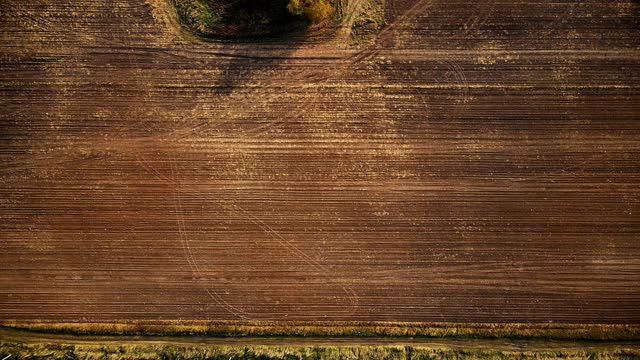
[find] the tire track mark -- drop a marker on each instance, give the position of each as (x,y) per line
(193,264)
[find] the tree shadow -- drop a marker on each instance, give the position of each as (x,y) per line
(243,58)
(240,66)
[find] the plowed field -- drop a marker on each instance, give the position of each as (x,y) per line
(476,162)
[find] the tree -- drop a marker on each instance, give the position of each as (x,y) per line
(315,10)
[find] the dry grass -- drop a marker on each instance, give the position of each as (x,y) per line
(150,351)
(259,329)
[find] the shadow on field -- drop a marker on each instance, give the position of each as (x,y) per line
(240,67)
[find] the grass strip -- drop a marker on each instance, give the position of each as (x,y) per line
(591,332)
(258,352)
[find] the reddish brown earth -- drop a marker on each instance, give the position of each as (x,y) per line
(480,162)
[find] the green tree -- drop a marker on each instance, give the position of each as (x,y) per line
(315,10)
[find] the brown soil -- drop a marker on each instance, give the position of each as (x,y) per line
(479,162)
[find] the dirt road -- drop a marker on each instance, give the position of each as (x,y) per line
(455,344)
(479,162)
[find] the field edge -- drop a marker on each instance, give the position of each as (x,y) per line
(20,345)
(591,332)
(166,352)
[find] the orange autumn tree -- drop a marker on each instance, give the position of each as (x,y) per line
(315,10)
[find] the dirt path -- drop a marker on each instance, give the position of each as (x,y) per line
(455,344)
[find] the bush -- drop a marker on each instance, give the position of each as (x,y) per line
(315,10)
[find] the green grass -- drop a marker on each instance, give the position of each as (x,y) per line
(197,14)
(206,15)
